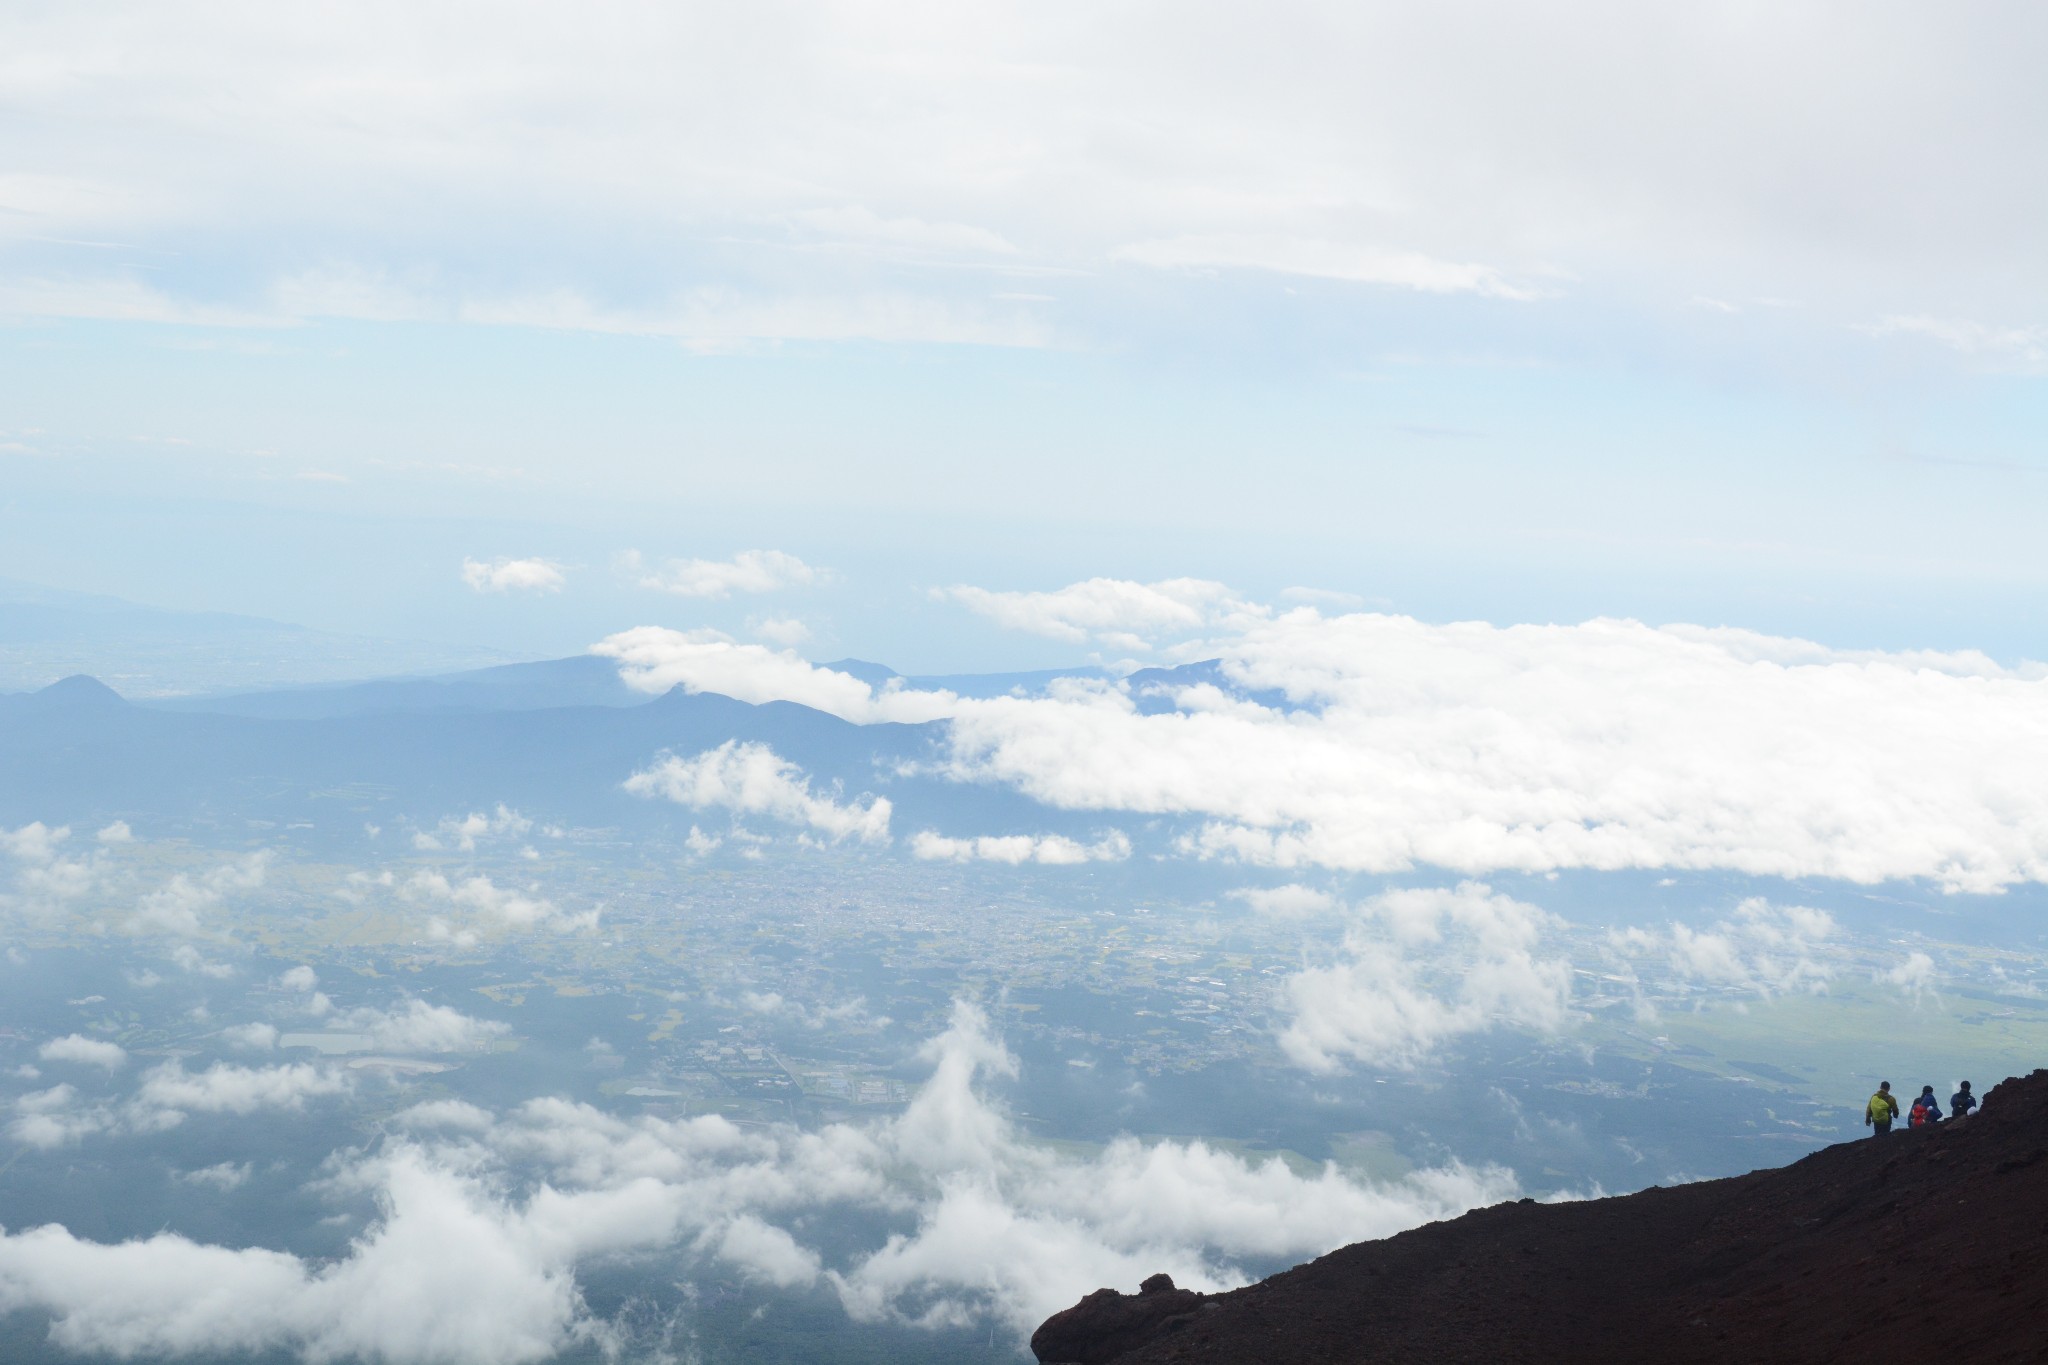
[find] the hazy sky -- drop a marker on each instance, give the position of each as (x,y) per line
(1727,315)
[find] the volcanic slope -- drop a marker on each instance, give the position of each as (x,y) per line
(1923,1242)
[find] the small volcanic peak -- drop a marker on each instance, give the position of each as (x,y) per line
(1923,1241)
(78,690)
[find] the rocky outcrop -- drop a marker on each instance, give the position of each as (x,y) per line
(1107,1324)
(1930,1242)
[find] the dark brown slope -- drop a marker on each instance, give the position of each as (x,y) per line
(1920,1244)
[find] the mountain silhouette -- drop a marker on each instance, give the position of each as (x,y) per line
(1930,1242)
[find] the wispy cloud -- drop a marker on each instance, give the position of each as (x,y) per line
(749,571)
(513,575)
(1355,263)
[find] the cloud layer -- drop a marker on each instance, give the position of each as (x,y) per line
(484,1219)
(749,571)
(752,779)
(1016,849)
(1420,967)
(513,575)
(810,172)
(1377,743)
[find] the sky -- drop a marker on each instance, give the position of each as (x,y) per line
(508,325)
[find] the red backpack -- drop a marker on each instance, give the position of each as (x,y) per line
(1919,1118)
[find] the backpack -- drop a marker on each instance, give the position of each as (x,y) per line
(1919,1113)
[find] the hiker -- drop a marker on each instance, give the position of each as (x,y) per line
(1926,1109)
(1881,1110)
(1962,1102)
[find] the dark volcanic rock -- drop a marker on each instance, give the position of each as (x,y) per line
(1106,1324)
(1932,1242)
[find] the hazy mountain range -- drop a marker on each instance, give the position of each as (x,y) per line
(557,739)
(144,651)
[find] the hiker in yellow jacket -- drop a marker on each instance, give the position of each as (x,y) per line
(1881,1110)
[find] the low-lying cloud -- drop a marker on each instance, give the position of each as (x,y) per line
(749,571)
(84,1051)
(752,779)
(1420,967)
(513,575)
(485,1218)
(484,906)
(43,882)
(1116,612)
(165,1096)
(1762,948)
(176,906)
(1016,849)
(1376,743)
(654,659)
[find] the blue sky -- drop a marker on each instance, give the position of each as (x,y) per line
(1735,318)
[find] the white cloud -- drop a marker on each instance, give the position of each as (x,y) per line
(251,1037)
(189,959)
(718,319)
(785,631)
(752,779)
(1478,748)
(300,979)
(84,1051)
(492,906)
(45,883)
(513,575)
(765,1252)
(465,832)
(749,571)
(226,1176)
(1354,262)
(1292,901)
(420,1027)
(1762,949)
(461,1267)
(1535,748)
(2027,345)
(33,843)
(1115,611)
(1399,143)
(860,224)
(450,1114)
(116,833)
(175,907)
(654,660)
(1015,849)
(168,1091)
(1420,967)
(56,1117)
(1915,975)
(449,1275)
(110,298)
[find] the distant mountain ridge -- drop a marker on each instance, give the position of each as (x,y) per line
(50,633)
(77,753)
(557,739)
(580,680)
(1922,1243)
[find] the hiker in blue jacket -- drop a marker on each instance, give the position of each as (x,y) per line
(1962,1102)
(1927,1109)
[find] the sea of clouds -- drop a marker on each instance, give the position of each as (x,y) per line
(1375,743)
(484,1217)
